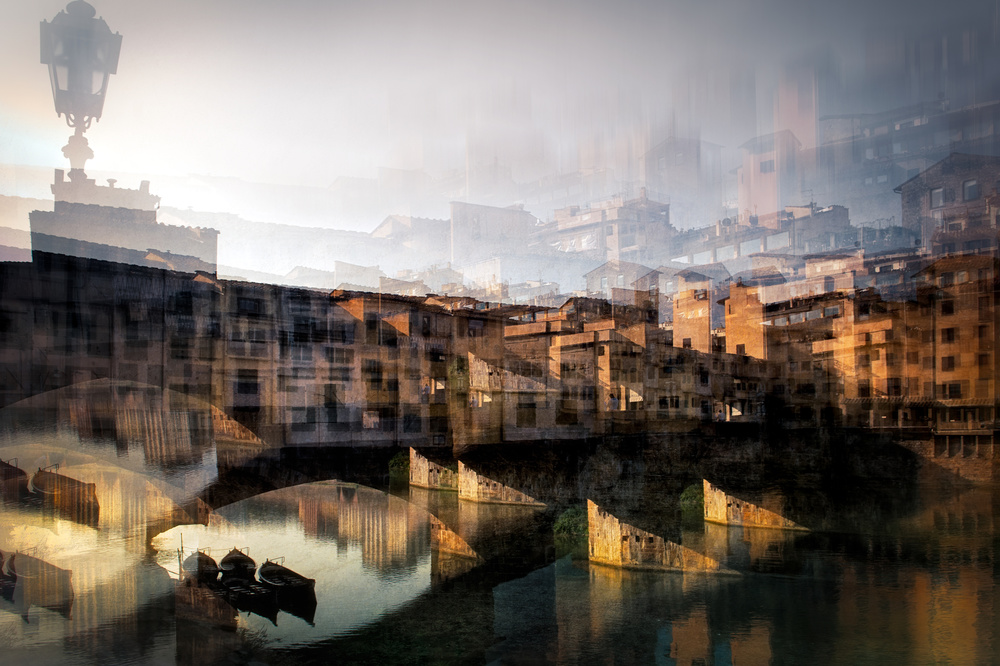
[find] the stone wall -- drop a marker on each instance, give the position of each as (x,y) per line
(476,488)
(427,474)
(729,510)
(618,544)
(971,456)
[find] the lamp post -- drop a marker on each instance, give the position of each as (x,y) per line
(81,53)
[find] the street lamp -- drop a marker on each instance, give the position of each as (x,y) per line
(81,53)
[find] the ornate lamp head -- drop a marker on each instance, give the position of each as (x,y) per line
(81,53)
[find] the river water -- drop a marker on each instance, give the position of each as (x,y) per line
(911,580)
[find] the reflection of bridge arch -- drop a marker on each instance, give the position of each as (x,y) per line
(173,449)
(96,406)
(391,532)
(175,442)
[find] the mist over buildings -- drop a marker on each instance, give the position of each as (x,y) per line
(338,115)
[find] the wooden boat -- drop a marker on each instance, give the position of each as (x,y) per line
(281,577)
(6,566)
(8,579)
(13,480)
(39,583)
(250,597)
(9,471)
(295,593)
(201,565)
(237,564)
(75,499)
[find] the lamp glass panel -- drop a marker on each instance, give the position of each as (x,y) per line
(62,77)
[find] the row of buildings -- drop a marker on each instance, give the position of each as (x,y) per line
(902,343)
(773,320)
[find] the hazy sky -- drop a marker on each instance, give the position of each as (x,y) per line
(303,91)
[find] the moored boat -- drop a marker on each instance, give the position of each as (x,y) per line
(201,565)
(281,577)
(13,479)
(237,564)
(8,579)
(39,583)
(250,596)
(75,499)
(9,471)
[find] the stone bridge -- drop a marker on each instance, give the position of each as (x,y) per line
(487,504)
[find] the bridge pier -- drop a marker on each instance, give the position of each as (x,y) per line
(427,474)
(478,488)
(728,510)
(619,544)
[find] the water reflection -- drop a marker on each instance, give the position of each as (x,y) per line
(919,590)
(892,569)
(367,551)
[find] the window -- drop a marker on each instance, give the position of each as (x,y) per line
(246,382)
(249,306)
(954,391)
(894,386)
(741,349)
(373,373)
(767,166)
(948,363)
(864,388)
(912,358)
(686,343)
(947,307)
(937,197)
(949,335)
(970,190)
